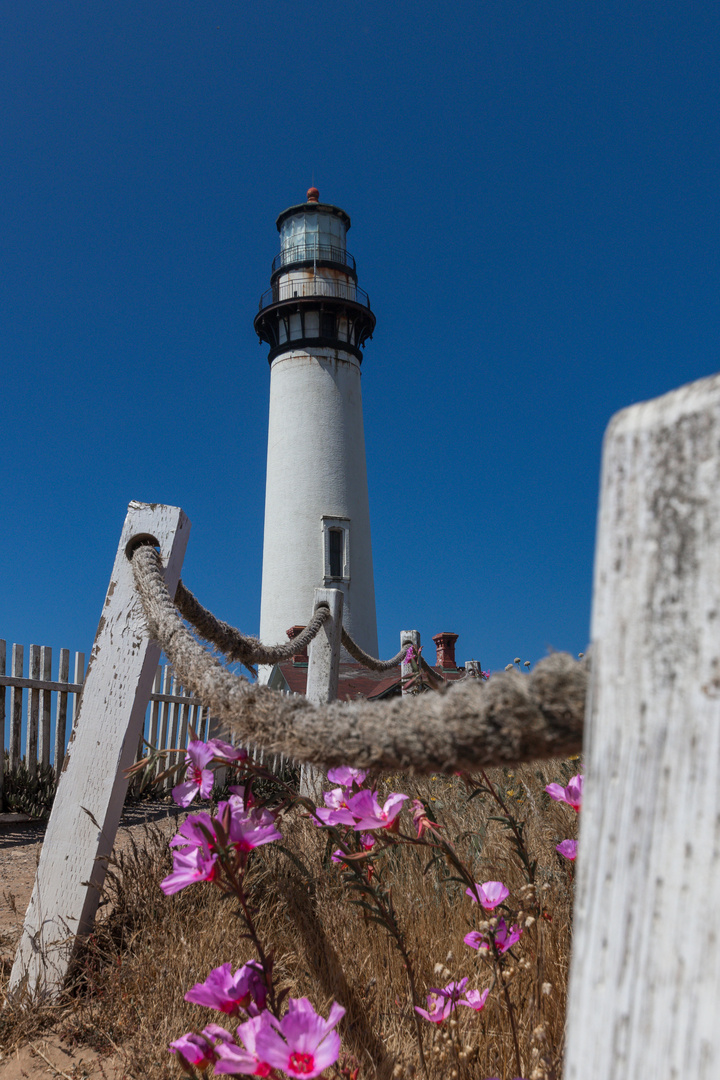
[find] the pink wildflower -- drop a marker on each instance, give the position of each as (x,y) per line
(302,1043)
(250,828)
(409,655)
(195,1049)
(367,841)
(370,815)
(346,777)
(246,1060)
(229,993)
(226,751)
(189,865)
(335,811)
(442,1002)
(474,999)
(198,779)
(339,857)
(568,848)
(504,938)
(572,794)
(420,817)
(488,895)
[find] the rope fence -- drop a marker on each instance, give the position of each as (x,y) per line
(512,718)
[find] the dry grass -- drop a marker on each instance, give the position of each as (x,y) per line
(148,949)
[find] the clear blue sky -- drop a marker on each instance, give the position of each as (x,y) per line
(534,196)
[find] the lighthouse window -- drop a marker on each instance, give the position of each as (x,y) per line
(328,328)
(336,553)
(335,549)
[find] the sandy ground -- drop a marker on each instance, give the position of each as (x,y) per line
(20,846)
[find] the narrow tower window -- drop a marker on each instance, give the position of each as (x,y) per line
(336,553)
(328,328)
(336,550)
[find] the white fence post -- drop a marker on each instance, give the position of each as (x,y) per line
(102,745)
(644,996)
(323,672)
(407,638)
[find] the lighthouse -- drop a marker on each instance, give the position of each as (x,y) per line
(315,319)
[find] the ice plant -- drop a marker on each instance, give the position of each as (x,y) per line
(568,848)
(368,813)
(488,895)
(572,794)
(229,993)
(302,1043)
(346,777)
(198,779)
(246,1059)
(226,752)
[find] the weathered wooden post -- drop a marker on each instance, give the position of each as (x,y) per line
(644,996)
(102,745)
(408,638)
(323,672)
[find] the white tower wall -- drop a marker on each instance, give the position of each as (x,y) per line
(316,480)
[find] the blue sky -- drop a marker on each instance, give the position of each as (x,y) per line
(534,197)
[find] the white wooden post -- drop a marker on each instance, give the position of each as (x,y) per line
(16,709)
(644,996)
(45,706)
(407,638)
(33,711)
(323,672)
(102,745)
(61,712)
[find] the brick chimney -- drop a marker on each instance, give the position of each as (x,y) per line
(301,657)
(445,644)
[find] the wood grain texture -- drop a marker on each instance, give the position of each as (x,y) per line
(90,797)
(644,994)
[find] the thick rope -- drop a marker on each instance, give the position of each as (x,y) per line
(241,647)
(369,661)
(511,718)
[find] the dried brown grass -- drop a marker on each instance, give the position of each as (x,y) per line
(147,949)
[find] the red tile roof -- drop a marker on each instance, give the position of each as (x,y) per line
(356,681)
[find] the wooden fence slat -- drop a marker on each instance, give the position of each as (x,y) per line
(16,709)
(173,732)
(154,709)
(3,648)
(33,713)
(61,712)
(164,718)
(183,737)
(644,994)
(89,801)
(45,706)
(79,679)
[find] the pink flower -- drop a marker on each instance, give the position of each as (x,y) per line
(251,828)
(189,865)
(229,993)
(409,655)
(195,1049)
(246,829)
(302,1043)
(474,999)
(338,857)
(572,794)
(488,895)
(246,1060)
(420,817)
(568,848)
(442,1002)
(367,841)
(369,814)
(226,751)
(335,811)
(504,938)
(345,777)
(198,780)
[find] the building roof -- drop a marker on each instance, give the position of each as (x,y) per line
(355,682)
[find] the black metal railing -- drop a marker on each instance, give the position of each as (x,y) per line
(313,253)
(289,290)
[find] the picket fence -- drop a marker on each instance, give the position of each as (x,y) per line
(170,714)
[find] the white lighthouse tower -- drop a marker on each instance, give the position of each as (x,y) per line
(316,320)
